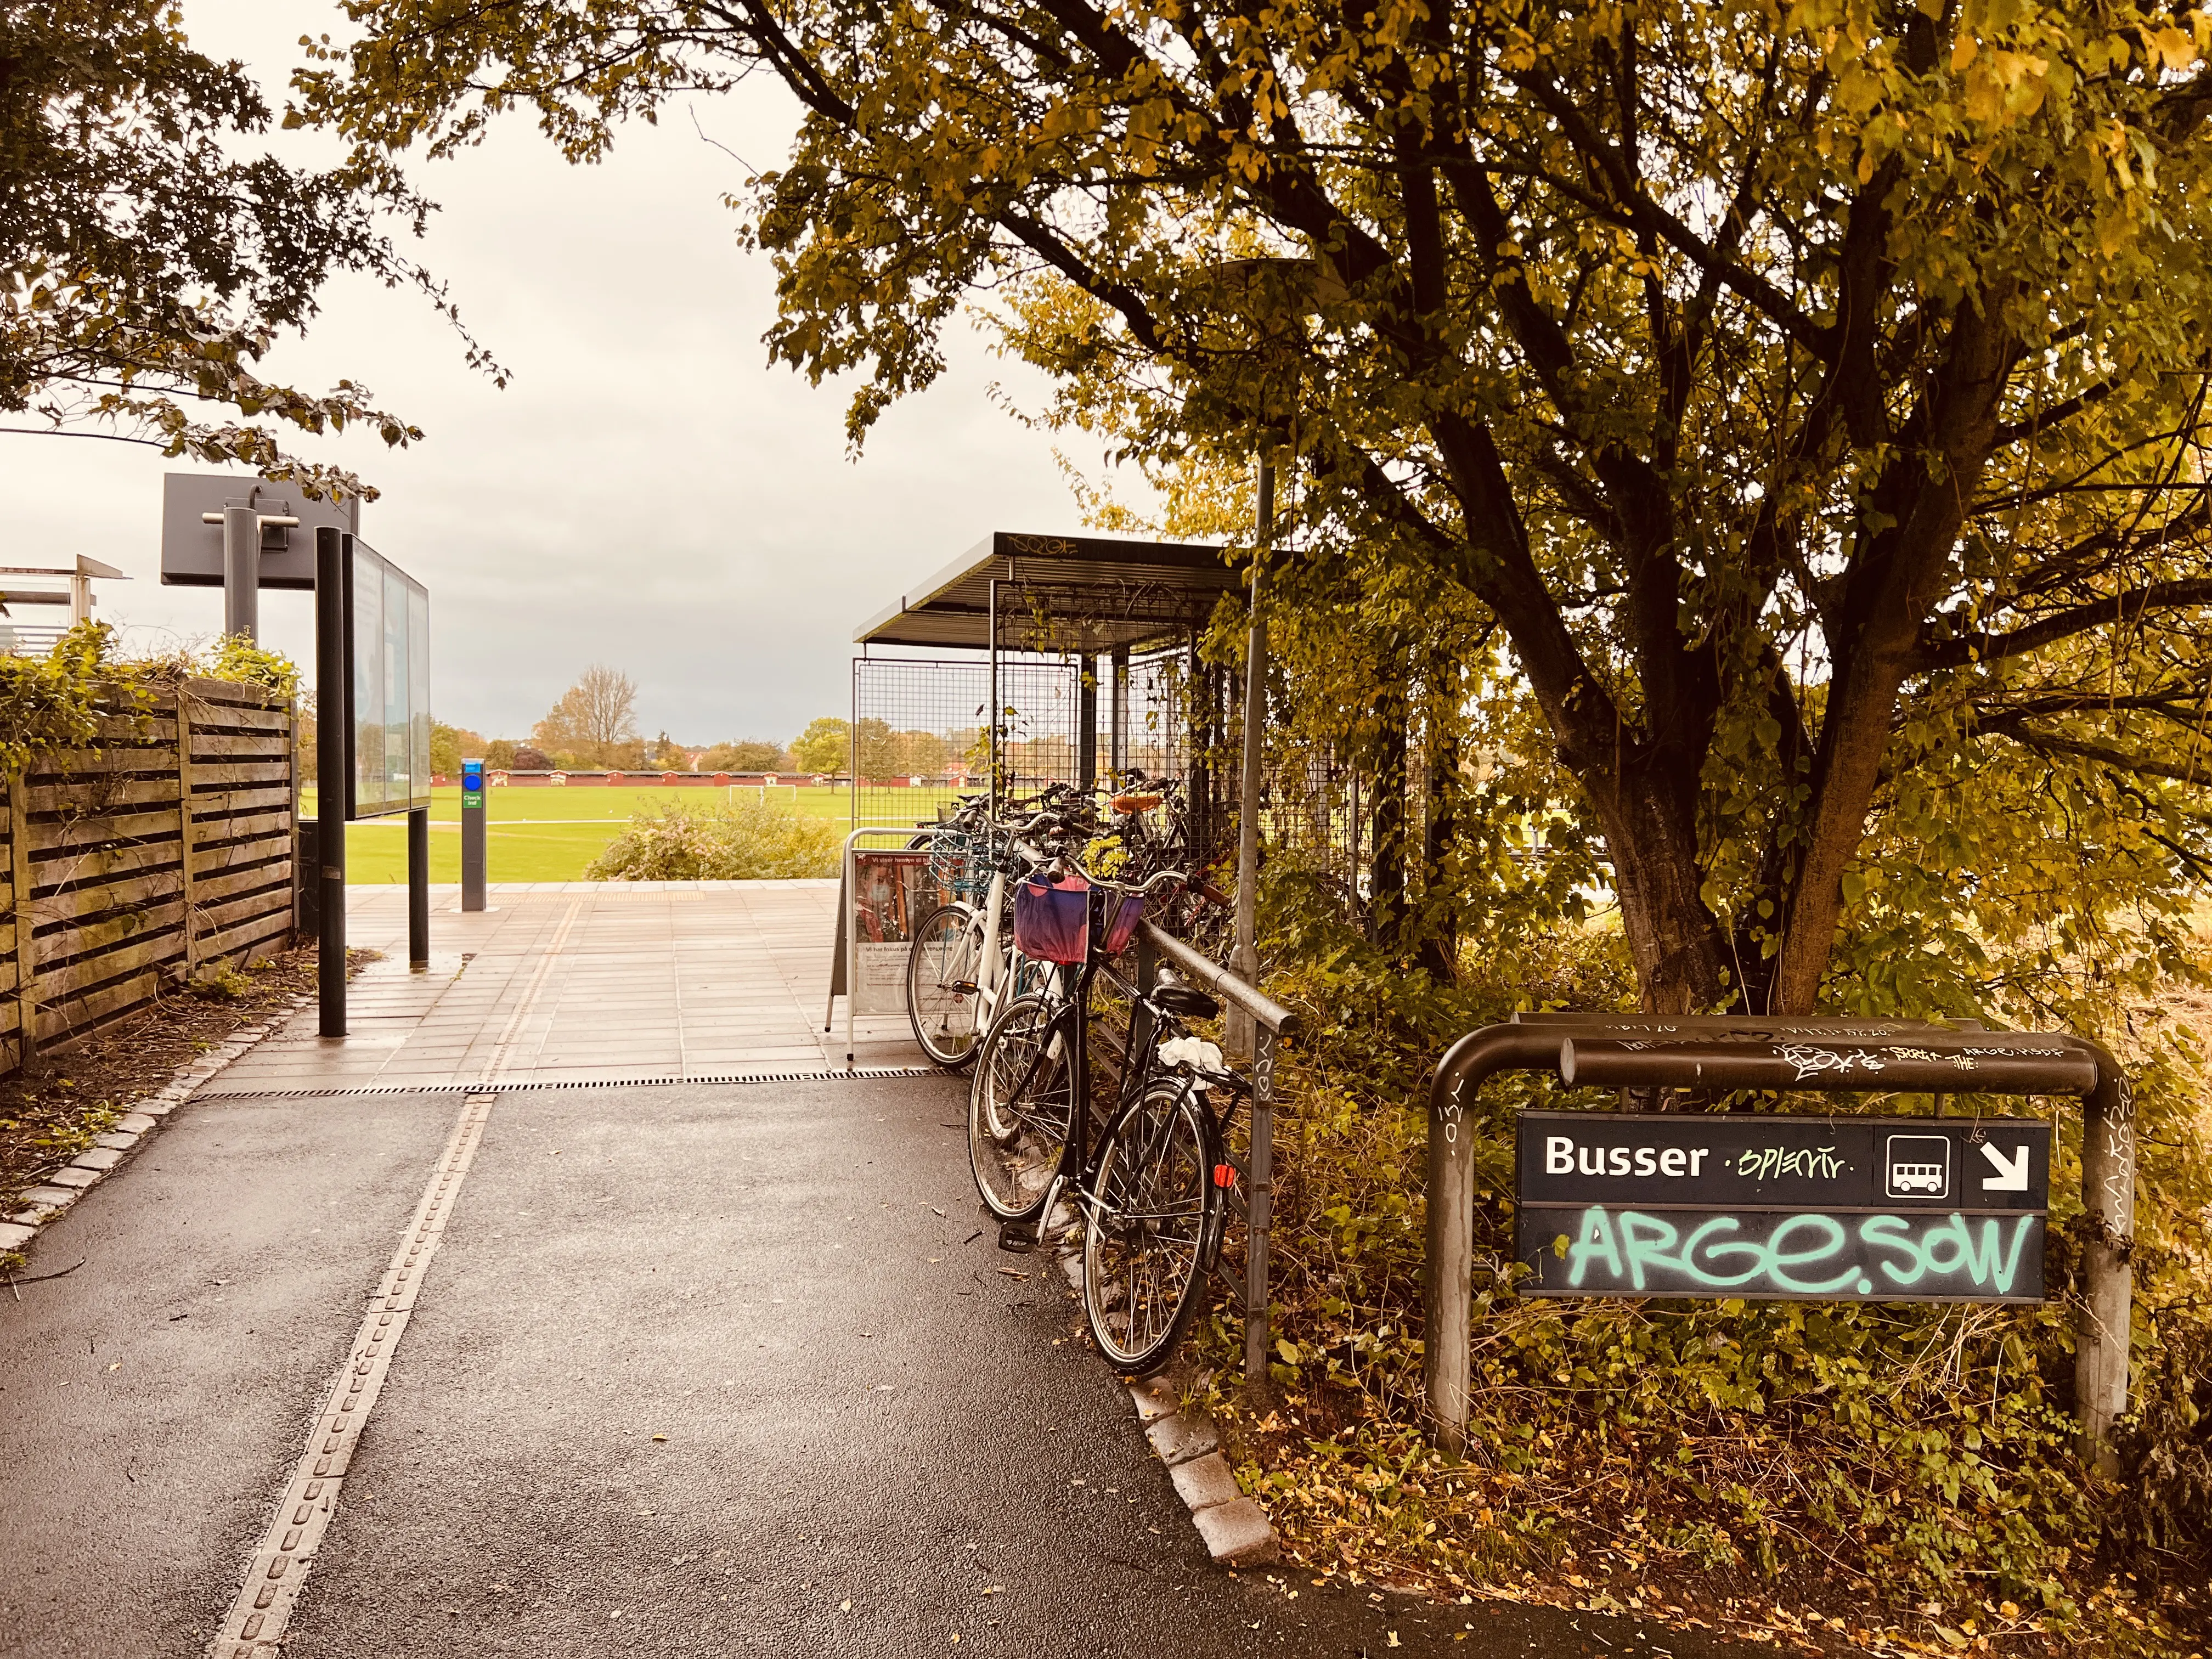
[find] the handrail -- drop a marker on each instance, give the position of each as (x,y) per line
(1732,1052)
(1278,1020)
(1810,1024)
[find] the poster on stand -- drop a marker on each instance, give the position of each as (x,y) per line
(892,893)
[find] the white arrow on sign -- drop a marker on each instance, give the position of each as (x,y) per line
(2011,1173)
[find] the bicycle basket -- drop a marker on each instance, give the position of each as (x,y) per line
(1119,924)
(1052,919)
(954,862)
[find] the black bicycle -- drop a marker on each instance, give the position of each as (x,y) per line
(1151,1189)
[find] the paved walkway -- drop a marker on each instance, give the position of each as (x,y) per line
(585,982)
(667,1368)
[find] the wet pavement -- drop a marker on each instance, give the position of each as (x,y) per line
(872,1445)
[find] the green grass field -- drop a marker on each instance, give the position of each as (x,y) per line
(551,835)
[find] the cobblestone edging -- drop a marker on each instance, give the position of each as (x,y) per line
(1235,1529)
(35,1206)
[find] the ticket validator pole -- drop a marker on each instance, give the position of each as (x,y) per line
(334,736)
(473,835)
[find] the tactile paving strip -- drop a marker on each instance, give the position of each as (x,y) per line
(838,1075)
(255,1626)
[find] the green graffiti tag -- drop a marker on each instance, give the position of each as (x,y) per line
(1808,1253)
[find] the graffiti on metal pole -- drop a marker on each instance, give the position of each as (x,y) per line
(1768,1206)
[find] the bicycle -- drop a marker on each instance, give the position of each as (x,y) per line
(959,967)
(1152,1189)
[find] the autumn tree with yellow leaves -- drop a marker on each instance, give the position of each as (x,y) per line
(1777,379)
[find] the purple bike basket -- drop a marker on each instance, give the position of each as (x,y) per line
(1052,923)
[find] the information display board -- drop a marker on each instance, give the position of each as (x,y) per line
(388,691)
(892,892)
(1768,1206)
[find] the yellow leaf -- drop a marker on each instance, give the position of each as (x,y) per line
(2174,45)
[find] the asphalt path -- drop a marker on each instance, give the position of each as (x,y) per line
(698,1369)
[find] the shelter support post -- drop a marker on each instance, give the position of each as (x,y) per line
(334,742)
(1118,714)
(992,711)
(1086,723)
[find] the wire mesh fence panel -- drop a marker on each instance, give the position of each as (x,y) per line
(1039,704)
(915,738)
(920,732)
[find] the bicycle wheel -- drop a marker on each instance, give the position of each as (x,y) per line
(946,951)
(1019,1108)
(1143,1244)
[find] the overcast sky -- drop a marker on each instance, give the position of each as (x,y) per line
(647,493)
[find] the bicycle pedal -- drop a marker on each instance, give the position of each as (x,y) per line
(1016,1239)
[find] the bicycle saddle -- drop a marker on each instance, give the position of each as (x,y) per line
(1136,803)
(1183,1003)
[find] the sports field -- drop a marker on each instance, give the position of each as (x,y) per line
(551,834)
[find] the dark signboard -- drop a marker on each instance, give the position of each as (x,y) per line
(1764,1205)
(191,547)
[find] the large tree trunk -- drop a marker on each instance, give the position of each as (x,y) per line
(1673,939)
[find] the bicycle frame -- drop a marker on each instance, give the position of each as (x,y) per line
(1079,1159)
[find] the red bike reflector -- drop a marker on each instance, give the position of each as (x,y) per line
(1224,1174)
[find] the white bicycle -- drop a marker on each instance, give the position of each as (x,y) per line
(962,968)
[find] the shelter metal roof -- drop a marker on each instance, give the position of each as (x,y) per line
(1089,594)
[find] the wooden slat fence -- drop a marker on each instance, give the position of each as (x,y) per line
(128,866)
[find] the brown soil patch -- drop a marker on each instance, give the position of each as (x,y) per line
(51,1110)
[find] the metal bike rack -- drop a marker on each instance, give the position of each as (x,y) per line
(1736,1052)
(1272,1023)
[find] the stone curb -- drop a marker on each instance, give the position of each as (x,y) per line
(1236,1530)
(35,1206)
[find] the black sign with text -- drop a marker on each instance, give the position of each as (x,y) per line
(1762,1205)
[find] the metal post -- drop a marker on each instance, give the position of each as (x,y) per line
(1258,1201)
(1246,959)
(472,836)
(418,889)
(991,710)
(1086,723)
(2108,1201)
(242,570)
(334,734)
(1118,714)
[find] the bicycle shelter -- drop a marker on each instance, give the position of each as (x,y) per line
(1039,625)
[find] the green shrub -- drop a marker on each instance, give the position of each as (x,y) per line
(750,841)
(236,656)
(62,700)
(1923,1453)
